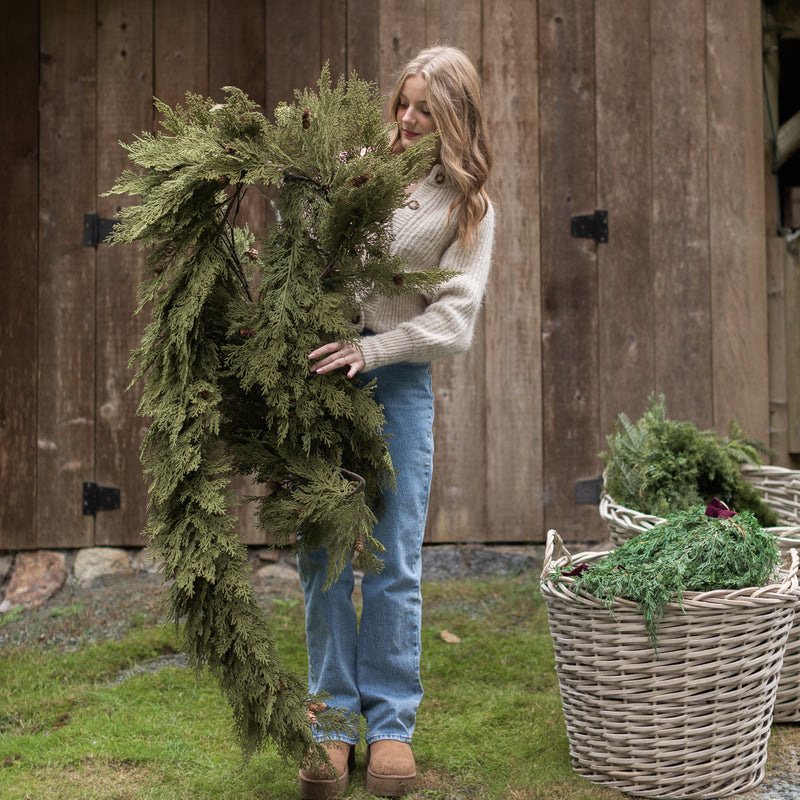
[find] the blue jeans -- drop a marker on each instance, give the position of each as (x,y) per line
(372,668)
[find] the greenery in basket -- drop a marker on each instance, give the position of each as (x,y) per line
(659,466)
(689,552)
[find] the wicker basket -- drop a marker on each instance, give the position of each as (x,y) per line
(780,488)
(691,722)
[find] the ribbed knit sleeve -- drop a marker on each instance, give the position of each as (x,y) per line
(418,328)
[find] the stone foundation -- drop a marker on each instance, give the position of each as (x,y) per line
(30,578)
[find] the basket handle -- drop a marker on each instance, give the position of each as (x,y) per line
(554,549)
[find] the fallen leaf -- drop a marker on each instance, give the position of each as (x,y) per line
(448,637)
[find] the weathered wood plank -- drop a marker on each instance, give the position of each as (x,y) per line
(124,108)
(791,261)
(237,57)
(775,218)
(280,47)
(624,189)
(294,56)
(237,47)
(362,39)
(19,68)
(772,76)
(791,209)
(456,22)
(569,266)
(788,142)
(681,310)
(181,33)
(333,21)
(737,224)
(460,482)
(778,362)
(401,35)
(458,492)
(66,337)
(514,463)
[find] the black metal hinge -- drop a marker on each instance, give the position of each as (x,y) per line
(588,492)
(96,229)
(591,226)
(99,498)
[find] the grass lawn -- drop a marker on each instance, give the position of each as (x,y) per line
(77,722)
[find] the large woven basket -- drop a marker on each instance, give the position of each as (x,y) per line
(690,722)
(780,489)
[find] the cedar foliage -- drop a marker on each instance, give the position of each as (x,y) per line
(659,466)
(688,552)
(227,385)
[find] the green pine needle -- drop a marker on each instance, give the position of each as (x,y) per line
(689,552)
(224,361)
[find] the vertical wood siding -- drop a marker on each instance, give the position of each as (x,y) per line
(569,282)
(736,214)
(18,256)
(66,427)
(680,300)
(646,108)
(512,368)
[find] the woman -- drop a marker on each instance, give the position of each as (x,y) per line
(373,669)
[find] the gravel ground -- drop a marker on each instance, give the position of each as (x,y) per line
(110,606)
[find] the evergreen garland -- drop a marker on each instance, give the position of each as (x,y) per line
(688,552)
(227,382)
(659,466)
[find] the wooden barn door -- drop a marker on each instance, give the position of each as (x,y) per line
(67,418)
(647,110)
(95,89)
(19,58)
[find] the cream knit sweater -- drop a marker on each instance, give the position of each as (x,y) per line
(414,327)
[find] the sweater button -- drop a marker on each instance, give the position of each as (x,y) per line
(413,205)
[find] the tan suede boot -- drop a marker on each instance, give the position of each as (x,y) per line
(391,770)
(319,784)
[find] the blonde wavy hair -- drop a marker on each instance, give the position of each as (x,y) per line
(455,100)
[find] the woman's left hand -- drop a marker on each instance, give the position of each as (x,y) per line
(336,355)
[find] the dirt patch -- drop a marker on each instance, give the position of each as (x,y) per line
(111,606)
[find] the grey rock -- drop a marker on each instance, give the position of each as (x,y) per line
(95,562)
(279,571)
(6,564)
(36,577)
